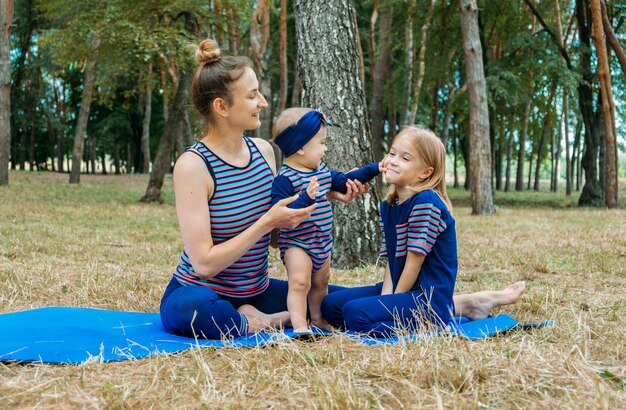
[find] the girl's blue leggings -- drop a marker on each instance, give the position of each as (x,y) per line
(197,311)
(364,310)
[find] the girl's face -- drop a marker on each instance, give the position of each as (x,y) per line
(404,165)
(315,149)
(247,102)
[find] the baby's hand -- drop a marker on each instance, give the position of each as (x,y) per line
(312,188)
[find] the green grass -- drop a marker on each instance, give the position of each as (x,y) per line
(95,245)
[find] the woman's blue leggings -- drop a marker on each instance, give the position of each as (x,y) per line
(364,310)
(198,311)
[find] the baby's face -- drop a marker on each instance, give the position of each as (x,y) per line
(315,149)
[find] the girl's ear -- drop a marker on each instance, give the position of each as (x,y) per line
(220,107)
(426,173)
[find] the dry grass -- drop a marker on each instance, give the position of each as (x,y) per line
(95,245)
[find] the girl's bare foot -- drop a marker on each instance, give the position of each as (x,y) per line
(258,321)
(322,324)
(478,305)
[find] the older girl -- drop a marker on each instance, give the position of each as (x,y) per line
(419,241)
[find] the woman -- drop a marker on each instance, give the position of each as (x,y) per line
(222,185)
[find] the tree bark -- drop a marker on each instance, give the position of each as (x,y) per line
(608,106)
(259,37)
(519,179)
(371,42)
(612,38)
(408,56)
(145,125)
(480,150)
(284,80)
(568,158)
(325,30)
(546,126)
(380,78)
(83,115)
(591,194)
(421,64)
(6,18)
(174,126)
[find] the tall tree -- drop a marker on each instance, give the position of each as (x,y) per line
(284,79)
(6,17)
(259,37)
(83,114)
(480,148)
(174,127)
(608,106)
(147,116)
(381,74)
(326,29)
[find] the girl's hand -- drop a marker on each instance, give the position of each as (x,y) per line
(312,188)
(280,216)
(354,189)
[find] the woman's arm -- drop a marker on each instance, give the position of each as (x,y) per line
(192,187)
(411,271)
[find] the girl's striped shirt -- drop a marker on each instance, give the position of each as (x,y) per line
(241,196)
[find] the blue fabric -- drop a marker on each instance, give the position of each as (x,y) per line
(297,135)
(78,335)
(423,224)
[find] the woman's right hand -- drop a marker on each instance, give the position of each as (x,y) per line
(280,216)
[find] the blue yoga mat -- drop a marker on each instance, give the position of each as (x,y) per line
(79,335)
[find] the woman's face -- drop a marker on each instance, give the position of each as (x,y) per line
(246,102)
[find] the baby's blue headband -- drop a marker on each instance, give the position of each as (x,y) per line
(297,135)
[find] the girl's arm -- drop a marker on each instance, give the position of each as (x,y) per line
(387,284)
(193,186)
(410,272)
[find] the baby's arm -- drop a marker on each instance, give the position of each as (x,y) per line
(282,188)
(363,175)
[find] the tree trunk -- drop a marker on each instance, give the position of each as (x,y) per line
(284,79)
(116,158)
(173,128)
(421,64)
(408,56)
(6,18)
(259,37)
(480,151)
(591,194)
(372,44)
(576,156)
(568,158)
(612,39)
(381,76)
(608,107)
(546,126)
(323,30)
(83,117)
(145,125)
(509,161)
(557,156)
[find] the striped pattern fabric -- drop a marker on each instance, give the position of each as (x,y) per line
(425,225)
(242,195)
(314,235)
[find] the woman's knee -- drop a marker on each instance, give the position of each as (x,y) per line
(189,312)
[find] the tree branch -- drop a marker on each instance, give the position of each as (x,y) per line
(551,34)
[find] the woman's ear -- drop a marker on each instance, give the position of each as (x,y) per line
(220,107)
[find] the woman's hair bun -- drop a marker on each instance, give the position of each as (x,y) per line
(208,52)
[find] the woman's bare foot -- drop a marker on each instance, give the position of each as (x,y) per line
(258,321)
(322,324)
(478,305)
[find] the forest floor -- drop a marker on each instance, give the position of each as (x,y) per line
(95,245)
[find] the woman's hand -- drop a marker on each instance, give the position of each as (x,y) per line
(354,188)
(280,216)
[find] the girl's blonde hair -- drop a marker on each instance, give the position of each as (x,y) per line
(431,151)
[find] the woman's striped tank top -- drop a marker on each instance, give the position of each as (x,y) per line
(241,196)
